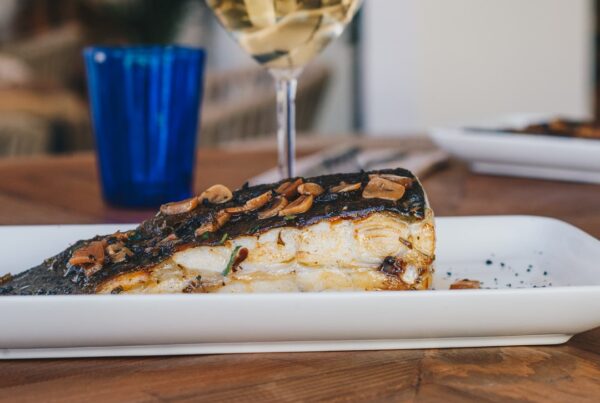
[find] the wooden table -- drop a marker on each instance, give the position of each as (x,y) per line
(65,190)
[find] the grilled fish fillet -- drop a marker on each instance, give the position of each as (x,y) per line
(345,232)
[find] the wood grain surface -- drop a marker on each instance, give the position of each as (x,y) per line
(48,190)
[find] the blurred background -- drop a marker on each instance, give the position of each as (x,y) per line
(401,67)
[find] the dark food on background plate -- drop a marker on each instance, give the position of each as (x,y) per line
(361,231)
(563,128)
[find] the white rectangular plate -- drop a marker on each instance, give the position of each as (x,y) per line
(543,277)
(526,155)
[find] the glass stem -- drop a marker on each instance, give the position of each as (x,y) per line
(285,84)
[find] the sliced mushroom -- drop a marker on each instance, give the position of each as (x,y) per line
(90,253)
(402,180)
(183,206)
(118,252)
(345,187)
(116,248)
(216,194)
(310,189)
(278,204)
(289,189)
(252,204)
(89,257)
(122,236)
(221,218)
(215,224)
(301,205)
(380,188)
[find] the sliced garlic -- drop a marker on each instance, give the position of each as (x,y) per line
(179,207)
(345,187)
(214,225)
(380,188)
(310,189)
(216,194)
(279,203)
(402,180)
(252,204)
(289,189)
(301,205)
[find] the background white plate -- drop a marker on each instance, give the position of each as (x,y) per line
(536,156)
(544,277)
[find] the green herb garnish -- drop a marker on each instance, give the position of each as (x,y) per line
(231,261)
(289,217)
(225,236)
(205,236)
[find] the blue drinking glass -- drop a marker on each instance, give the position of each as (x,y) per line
(145,102)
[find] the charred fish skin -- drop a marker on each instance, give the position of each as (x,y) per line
(136,256)
(40,280)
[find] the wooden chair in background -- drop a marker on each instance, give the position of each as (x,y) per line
(237,105)
(41,113)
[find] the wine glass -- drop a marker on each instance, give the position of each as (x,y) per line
(283,36)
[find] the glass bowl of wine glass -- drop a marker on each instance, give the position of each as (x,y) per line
(283,36)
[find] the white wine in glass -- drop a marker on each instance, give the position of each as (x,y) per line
(284,35)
